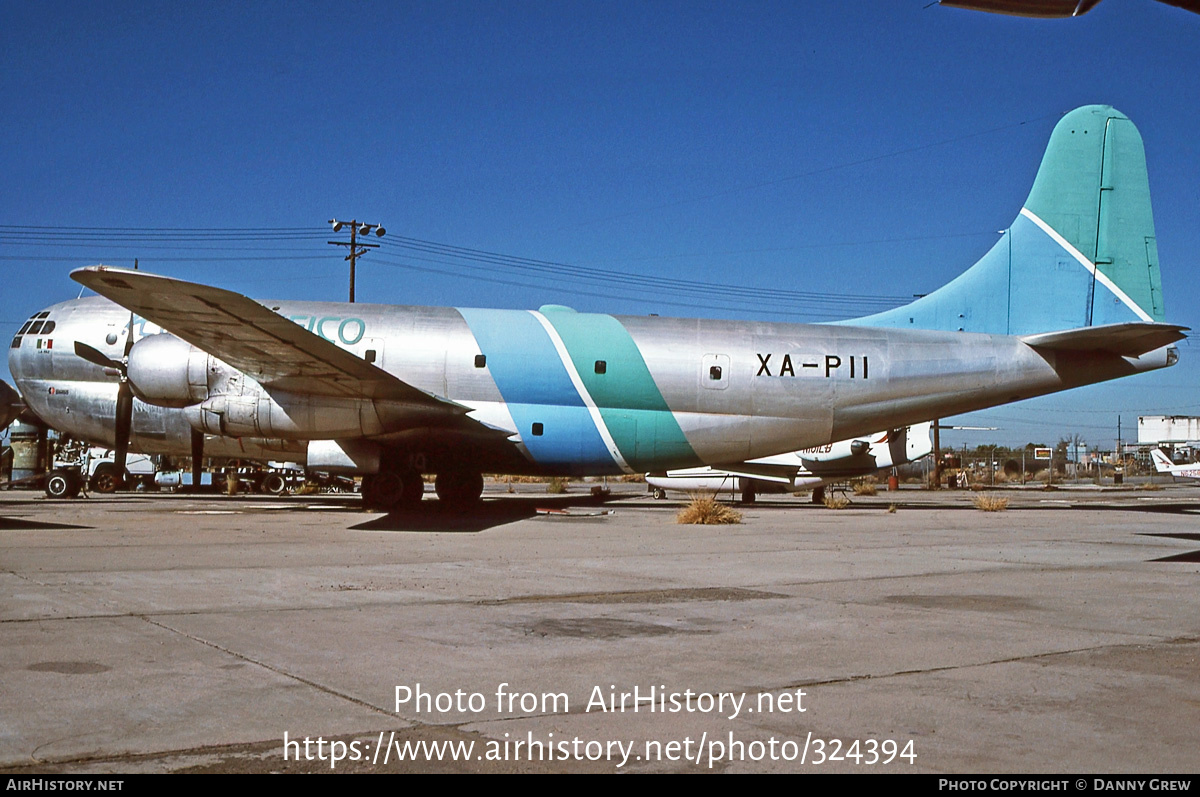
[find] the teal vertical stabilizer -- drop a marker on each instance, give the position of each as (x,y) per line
(1080,253)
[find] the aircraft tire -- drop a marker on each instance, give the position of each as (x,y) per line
(390,490)
(459,488)
(273,484)
(414,489)
(104,480)
(748,493)
(659,494)
(818,495)
(62,484)
(382,490)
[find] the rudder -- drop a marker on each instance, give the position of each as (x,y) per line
(1081,253)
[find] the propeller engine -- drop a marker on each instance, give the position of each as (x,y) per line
(10,404)
(123,416)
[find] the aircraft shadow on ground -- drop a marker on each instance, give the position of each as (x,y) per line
(25,524)
(433,516)
(1188,556)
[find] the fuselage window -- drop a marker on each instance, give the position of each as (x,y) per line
(601,367)
(369,356)
(714,373)
(537,430)
(16,344)
(480,360)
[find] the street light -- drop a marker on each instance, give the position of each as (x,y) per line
(356,229)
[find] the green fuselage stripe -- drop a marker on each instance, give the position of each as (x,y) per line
(633,408)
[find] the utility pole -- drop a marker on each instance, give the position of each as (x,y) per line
(356,229)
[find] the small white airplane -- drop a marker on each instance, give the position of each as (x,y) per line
(806,469)
(1163,464)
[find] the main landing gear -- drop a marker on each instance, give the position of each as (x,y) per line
(392,490)
(459,488)
(400,490)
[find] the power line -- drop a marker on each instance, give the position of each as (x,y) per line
(441,258)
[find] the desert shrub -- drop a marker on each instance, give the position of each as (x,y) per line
(836,502)
(704,510)
(989,503)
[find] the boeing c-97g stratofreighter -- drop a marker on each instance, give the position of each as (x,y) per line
(1069,296)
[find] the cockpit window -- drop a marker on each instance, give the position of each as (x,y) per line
(46,330)
(43,314)
(21,331)
(36,328)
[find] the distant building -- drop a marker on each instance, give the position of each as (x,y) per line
(1168,429)
(1179,434)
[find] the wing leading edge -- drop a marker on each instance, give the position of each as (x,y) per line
(250,337)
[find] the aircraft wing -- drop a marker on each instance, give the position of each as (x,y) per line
(1127,340)
(1027,8)
(252,338)
(767,473)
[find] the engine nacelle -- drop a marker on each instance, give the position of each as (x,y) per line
(169,372)
(256,413)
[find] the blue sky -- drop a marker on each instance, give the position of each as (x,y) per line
(869,149)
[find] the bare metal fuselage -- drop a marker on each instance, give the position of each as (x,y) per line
(717,391)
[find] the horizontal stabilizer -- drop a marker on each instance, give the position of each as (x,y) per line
(1127,340)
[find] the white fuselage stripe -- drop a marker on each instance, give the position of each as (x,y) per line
(569,364)
(1100,276)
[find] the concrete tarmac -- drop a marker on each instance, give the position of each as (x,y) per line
(155,633)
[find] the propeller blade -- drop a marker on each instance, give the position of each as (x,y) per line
(124,424)
(123,420)
(11,404)
(197,458)
(97,357)
(129,337)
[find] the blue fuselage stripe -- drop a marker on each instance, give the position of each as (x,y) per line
(536,387)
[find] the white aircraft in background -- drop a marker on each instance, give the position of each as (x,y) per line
(806,469)
(1163,464)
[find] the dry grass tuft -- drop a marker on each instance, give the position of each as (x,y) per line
(704,510)
(864,488)
(891,509)
(836,502)
(989,503)
(556,485)
(1151,486)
